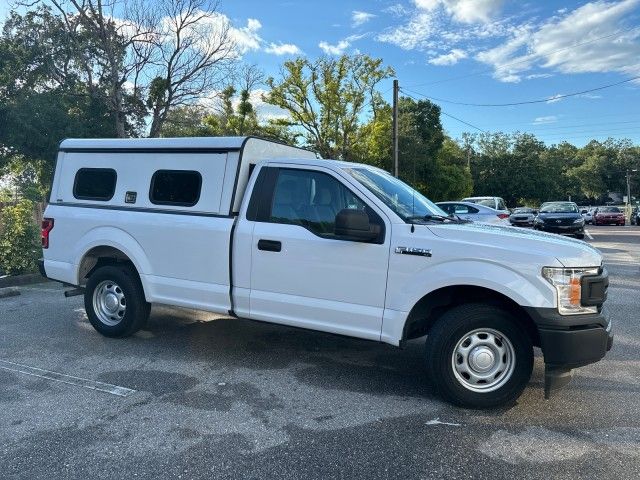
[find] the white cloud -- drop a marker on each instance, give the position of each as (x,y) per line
(464,11)
(246,38)
(415,34)
(359,18)
(429,24)
(545,120)
(450,58)
(538,75)
(283,49)
(340,47)
(337,49)
(591,38)
(397,10)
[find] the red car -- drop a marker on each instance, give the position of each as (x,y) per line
(608,216)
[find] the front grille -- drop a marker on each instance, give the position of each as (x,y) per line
(558,221)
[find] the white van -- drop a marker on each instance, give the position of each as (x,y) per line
(259,230)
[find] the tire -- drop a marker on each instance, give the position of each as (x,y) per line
(448,337)
(114,301)
(580,236)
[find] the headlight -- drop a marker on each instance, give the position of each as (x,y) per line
(578,220)
(567,282)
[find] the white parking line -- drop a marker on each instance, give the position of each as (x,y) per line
(586,232)
(68,379)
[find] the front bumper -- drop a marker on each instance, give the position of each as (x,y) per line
(562,229)
(521,223)
(570,341)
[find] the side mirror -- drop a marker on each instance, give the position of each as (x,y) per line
(354,225)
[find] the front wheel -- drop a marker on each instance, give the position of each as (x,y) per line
(115,302)
(479,356)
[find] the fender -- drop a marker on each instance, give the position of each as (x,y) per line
(472,272)
(116,238)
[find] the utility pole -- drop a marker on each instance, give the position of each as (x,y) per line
(629,192)
(395,128)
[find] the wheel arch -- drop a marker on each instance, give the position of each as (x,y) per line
(426,312)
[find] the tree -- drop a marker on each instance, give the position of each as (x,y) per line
(43,96)
(327,98)
(195,51)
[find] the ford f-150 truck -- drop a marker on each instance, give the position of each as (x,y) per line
(263,231)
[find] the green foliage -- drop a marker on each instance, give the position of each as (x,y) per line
(522,170)
(19,248)
(327,97)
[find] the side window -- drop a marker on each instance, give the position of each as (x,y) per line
(95,184)
(501,205)
(312,200)
(449,208)
(461,209)
(175,187)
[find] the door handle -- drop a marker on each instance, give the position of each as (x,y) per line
(269,245)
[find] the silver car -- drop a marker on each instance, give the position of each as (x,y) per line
(522,217)
(493,202)
(475,212)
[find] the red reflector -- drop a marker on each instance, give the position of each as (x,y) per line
(503,215)
(47,226)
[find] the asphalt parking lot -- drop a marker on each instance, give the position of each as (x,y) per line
(206,397)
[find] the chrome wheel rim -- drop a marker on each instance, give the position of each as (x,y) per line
(109,303)
(483,360)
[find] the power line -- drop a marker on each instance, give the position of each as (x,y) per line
(447,114)
(528,59)
(568,118)
(527,102)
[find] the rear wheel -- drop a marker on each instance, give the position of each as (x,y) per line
(478,356)
(115,302)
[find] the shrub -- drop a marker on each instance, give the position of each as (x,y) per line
(19,244)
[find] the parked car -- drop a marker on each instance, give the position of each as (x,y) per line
(635,216)
(523,217)
(587,214)
(560,217)
(258,230)
(474,212)
(493,202)
(609,216)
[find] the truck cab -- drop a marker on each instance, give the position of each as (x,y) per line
(259,230)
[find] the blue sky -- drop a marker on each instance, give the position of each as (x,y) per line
(476,51)
(471,51)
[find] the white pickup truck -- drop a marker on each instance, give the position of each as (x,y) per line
(259,230)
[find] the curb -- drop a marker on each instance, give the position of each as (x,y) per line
(17,280)
(9,292)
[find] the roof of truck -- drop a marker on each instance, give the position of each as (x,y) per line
(214,143)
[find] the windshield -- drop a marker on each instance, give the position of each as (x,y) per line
(522,210)
(559,208)
(609,209)
(408,203)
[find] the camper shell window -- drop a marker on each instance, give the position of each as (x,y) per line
(175,187)
(95,184)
